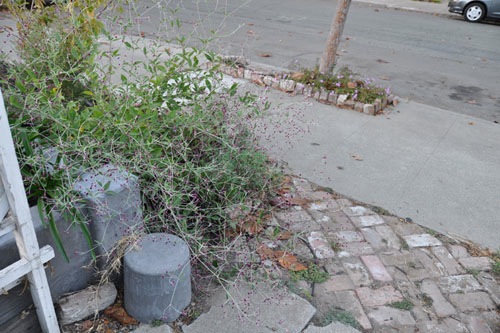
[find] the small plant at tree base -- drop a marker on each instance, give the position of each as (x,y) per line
(343,83)
(402,305)
(341,316)
(313,274)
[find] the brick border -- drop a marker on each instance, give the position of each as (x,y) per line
(281,82)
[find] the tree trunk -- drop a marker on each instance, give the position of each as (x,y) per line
(329,54)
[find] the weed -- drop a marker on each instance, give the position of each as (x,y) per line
(175,126)
(473,272)
(338,315)
(313,274)
(344,82)
(402,305)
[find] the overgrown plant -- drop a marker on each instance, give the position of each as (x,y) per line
(343,82)
(173,125)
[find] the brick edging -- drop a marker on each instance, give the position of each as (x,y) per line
(279,81)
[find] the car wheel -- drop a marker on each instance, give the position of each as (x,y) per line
(474,12)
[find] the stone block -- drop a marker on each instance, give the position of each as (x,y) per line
(349,104)
(357,272)
(458,251)
(357,211)
(258,78)
(473,301)
(387,316)
(348,236)
(347,300)
(320,245)
(378,105)
(253,308)
(389,237)
(367,220)
(441,306)
(268,80)
(335,283)
(157,278)
(299,88)
(339,222)
(476,263)
(325,205)
(450,264)
(113,201)
(358,106)
(490,284)
(275,83)
(477,324)
(335,327)
(85,303)
(143,328)
(308,90)
(370,297)
(342,99)
(369,109)
(332,97)
(403,228)
(354,249)
(247,74)
(373,238)
(376,268)
(421,240)
(459,284)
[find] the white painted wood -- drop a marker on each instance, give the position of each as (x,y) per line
(7,225)
(24,232)
(4,204)
(11,275)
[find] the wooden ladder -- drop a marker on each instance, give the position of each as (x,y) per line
(15,217)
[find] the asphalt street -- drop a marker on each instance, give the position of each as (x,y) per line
(440,61)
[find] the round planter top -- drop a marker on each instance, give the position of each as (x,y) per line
(157,254)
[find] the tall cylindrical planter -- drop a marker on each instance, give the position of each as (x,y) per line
(157,278)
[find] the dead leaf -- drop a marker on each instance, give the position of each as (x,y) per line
(87,324)
(265,55)
(118,313)
(471,123)
(382,61)
(290,262)
(297,76)
(265,252)
(385,78)
(351,85)
(284,235)
(299,201)
(472,101)
(357,157)
(250,32)
(250,24)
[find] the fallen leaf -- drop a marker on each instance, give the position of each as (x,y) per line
(290,262)
(250,32)
(351,85)
(118,313)
(87,324)
(471,123)
(357,157)
(299,201)
(382,61)
(265,55)
(284,235)
(250,24)
(385,78)
(265,252)
(297,76)
(472,101)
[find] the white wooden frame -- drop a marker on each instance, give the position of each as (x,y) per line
(15,217)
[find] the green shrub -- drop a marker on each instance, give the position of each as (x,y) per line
(174,126)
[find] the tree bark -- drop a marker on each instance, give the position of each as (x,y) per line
(329,54)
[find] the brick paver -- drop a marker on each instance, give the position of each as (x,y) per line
(389,273)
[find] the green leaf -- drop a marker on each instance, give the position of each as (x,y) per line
(42,208)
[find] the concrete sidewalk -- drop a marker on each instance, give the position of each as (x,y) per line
(439,168)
